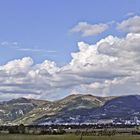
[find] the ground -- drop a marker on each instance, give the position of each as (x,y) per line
(65,137)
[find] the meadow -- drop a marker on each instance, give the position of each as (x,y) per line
(64,137)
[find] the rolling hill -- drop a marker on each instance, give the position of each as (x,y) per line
(72,109)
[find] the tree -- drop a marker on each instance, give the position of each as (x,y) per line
(21,129)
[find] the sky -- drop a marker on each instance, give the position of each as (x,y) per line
(50,49)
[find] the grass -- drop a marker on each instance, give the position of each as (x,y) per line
(64,137)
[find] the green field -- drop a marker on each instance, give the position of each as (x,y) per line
(65,137)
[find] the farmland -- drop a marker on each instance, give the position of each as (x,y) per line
(64,137)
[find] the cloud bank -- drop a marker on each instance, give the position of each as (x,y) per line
(109,67)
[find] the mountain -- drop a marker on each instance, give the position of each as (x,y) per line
(125,107)
(53,108)
(16,108)
(80,110)
(72,109)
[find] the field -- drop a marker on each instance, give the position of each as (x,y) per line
(65,137)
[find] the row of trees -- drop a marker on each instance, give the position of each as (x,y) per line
(21,129)
(60,129)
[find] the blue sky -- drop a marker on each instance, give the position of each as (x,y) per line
(51,49)
(45,24)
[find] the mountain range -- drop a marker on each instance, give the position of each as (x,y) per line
(71,109)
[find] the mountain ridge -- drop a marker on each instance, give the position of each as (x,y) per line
(74,108)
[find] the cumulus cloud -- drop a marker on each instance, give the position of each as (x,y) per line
(89,29)
(17,66)
(111,61)
(132,25)
(109,67)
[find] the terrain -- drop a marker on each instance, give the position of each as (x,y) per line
(64,137)
(72,109)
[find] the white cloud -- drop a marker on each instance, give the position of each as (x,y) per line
(18,47)
(17,66)
(7,44)
(132,25)
(89,29)
(4,43)
(35,50)
(130,14)
(109,67)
